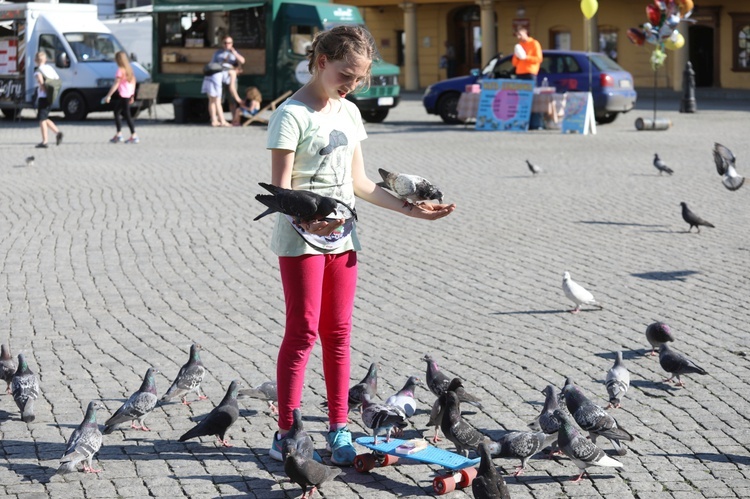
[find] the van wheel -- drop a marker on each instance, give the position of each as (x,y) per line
(605,118)
(375,115)
(74,106)
(448,108)
(11,113)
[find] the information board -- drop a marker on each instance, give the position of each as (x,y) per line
(247,27)
(579,113)
(505,105)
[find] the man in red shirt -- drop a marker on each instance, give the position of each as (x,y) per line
(527,56)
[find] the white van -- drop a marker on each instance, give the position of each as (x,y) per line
(80,47)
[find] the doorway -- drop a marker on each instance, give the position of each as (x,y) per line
(701,54)
(464,25)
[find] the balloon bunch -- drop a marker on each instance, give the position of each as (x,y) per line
(661,28)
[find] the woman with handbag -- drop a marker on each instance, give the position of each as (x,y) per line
(43,101)
(229,60)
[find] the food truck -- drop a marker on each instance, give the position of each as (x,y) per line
(273,37)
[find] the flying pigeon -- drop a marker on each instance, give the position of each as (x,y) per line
(464,436)
(488,484)
(534,168)
(661,165)
(404,398)
(188,378)
(592,418)
(265,391)
(25,389)
(617,382)
(582,451)
(577,294)
(218,421)
(306,471)
(658,333)
(335,139)
(410,188)
(381,418)
(522,445)
(546,421)
(368,385)
(436,414)
(83,443)
(725,161)
(30,161)
(137,407)
(693,219)
(297,438)
(8,366)
(302,205)
(676,364)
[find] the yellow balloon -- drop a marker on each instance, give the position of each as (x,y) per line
(589,8)
(676,44)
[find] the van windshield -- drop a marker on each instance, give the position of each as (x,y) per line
(93,47)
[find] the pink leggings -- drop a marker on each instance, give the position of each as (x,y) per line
(319,296)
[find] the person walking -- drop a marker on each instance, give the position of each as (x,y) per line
(123,94)
(527,56)
(314,138)
(44,101)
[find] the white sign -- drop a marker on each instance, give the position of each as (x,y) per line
(302,73)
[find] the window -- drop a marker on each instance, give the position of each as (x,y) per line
(52,46)
(559,38)
(300,39)
(740,41)
(608,41)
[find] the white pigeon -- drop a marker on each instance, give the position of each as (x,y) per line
(725,161)
(577,294)
(533,168)
(617,382)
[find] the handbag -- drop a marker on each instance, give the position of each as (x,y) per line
(212,68)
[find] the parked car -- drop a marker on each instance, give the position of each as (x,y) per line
(611,86)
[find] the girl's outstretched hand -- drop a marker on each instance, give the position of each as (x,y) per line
(323,228)
(430,211)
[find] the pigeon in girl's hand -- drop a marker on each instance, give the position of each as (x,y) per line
(577,294)
(302,205)
(582,451)
(30,161)
(368,386)
(593,419)
(488,484)
(693,219)
(189,378)
(533,168)
(725,161)
(265,391)
(83,443)
(464,436)
(25,389)
(381,418)
(306,471)
(404,398)
(297,438)
(137,407)
(658,333)
(676,364)
(219,419)
(522,445)
(661,165)
(617,382)
(8,366)
(410,188)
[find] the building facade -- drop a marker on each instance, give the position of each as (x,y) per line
(432,39)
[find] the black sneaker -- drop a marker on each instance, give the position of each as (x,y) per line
(41,145)
(59,138)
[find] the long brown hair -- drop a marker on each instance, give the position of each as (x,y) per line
(122,61)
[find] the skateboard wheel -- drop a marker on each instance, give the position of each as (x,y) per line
(389,460)
(364,462)
(467,476)
(443,484)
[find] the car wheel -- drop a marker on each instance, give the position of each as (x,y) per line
(74,106)
(448,108)
(375,115)
(605,118)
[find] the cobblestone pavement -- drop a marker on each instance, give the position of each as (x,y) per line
(117,257)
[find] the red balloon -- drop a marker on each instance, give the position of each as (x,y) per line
(654,15)
(636,36)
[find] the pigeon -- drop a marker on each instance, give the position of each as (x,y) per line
(189,378)
(661,165)
(8,366)
(617,382)
(577,294)
(297,438)
(381,418)
(437,381)
(302,205)
(546,421)
(265,391)
(83,443)
(522,445)
(693,219)
(30,161)
(404,398)
(368,385)
(725,166)
(436,414)
(410,188)
(592,418)
(464,436)
(488,484)
(306,471)
(676,364)
(582,451)
(137,407)
(534,168)
(218,421)
(25,389)
(335,139)
(658,333)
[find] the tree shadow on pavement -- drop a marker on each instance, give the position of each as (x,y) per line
(621,224)
(535,312)
(672,275)
(626,355)
(714,457)
(646,385)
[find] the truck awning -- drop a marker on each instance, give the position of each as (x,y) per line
(205,7)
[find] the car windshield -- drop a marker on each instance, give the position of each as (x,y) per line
(93,47)
(604,63)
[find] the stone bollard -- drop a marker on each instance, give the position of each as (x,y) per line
(687,105)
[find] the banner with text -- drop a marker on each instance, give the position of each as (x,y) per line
(505,105)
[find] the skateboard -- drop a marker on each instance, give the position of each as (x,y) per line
(460,470)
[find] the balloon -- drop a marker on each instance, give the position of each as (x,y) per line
(589,8)
(685,6)
(654,15)
(636,36)
(676,44)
